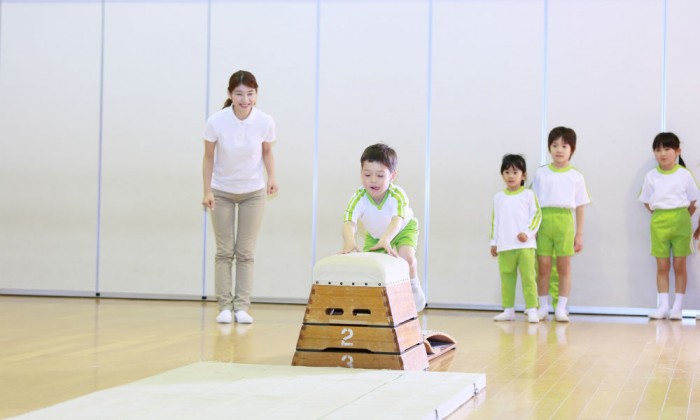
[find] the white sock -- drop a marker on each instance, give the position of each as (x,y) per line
(509,311)
(544,302)
(561,304)
(418,296)
(677,302)
(663,302)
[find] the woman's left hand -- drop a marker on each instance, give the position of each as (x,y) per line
(272,186)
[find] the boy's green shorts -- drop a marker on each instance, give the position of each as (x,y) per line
(407,237)
(671,230)
(556,233)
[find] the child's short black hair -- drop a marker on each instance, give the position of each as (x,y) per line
(568,135)
(514,161)
(380,153)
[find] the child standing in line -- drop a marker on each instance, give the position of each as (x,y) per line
(383,209)
(669,193)
(561,190)
(514,223)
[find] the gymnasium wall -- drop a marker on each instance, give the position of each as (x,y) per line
(102,105)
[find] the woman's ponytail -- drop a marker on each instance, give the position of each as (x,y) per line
(227,103)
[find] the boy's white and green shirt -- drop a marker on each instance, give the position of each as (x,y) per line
(377,216)
(672,189)
(515,212)
(560,187)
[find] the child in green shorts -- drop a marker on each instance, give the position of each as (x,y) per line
(669,192)
(383,209)
(561,190)
(514,223)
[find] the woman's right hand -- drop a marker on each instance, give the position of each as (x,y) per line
(208,200)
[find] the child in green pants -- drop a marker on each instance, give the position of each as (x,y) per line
(514,223)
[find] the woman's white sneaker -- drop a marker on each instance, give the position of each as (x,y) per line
(224,317)
(242,317)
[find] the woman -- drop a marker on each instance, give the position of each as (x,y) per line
(237,145)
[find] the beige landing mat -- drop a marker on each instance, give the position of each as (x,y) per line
(210,390)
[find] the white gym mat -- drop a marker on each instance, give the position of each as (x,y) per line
(228,390)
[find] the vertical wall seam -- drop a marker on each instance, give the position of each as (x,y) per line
(545,85)
(207,87)
(0,36)
(663,66)
(428,132)
(99,151)
(314,180)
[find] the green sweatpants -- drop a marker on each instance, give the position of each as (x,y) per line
(509,263)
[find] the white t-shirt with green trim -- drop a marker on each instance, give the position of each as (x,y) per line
(672,189)
(377,217)
(562,188)
(238,162)
(515,212)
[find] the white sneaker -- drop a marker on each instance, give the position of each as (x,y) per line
(659,314)
(543,313)
(561,316)
(242,317)
(675,315)
(224,317)
(504,316)
(532,316)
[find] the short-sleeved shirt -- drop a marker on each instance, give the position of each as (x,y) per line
(238,163)
(377,217)
(666,190)
(563,188)
(515,212)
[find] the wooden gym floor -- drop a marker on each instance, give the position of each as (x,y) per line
(55,349)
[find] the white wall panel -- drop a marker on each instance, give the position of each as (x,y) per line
(276,41)
(373,88)
(487,101)
(605,82)
(683,91)
(155,74)
(49,106)
(604,78)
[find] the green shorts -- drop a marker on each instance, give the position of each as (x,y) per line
(408,236)
(556,233)
(671,230)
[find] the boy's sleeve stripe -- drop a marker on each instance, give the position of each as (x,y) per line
(352,205)
(401,199)
(537,219)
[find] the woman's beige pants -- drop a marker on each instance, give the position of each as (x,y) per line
(235,240)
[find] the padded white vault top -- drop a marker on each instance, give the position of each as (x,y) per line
(210,390)
(361,269)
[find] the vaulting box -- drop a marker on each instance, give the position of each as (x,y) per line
(361,314)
